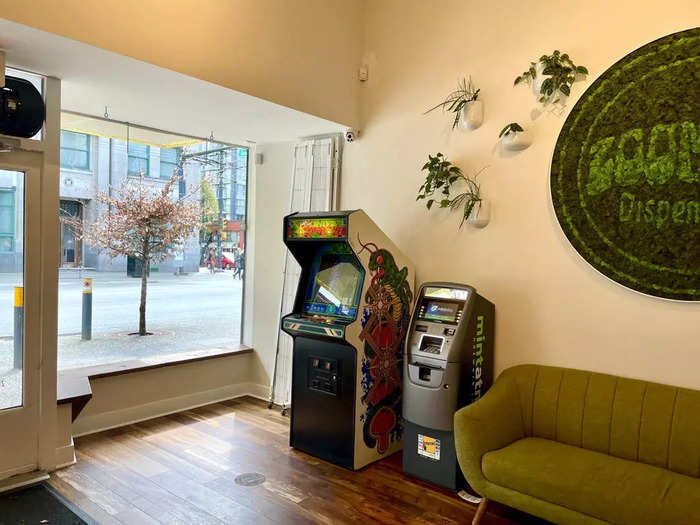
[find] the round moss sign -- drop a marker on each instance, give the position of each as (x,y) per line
(626,170)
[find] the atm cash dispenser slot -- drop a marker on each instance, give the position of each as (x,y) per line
(431,344)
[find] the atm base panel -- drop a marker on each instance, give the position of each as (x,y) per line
(444,471)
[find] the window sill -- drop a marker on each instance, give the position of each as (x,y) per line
(77,171)
(73,384)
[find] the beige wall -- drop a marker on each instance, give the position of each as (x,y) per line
(272,180)
(299,53)
(552,307)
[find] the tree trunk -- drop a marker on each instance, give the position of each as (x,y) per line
(145,263)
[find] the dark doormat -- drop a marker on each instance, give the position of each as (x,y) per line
(39,505)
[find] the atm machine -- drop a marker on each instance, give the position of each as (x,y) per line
(350,319)
(448,363)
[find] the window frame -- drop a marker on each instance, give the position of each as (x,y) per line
(178,153)
(13,208)
(88,151)
(147,158)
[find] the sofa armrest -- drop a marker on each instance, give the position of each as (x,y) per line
(490,423)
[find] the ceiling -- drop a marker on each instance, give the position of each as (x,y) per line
(144,94)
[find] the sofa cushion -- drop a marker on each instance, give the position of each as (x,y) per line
(608,488)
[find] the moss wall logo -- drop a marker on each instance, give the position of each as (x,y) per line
(626,170)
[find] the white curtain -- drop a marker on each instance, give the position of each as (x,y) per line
(314,188)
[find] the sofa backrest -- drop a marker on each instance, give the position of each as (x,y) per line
(627,418)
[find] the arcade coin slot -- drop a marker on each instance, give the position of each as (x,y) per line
(323,375)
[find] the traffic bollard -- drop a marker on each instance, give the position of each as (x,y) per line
(87,309)
(19,327)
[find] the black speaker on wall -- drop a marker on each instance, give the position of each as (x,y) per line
(22,110)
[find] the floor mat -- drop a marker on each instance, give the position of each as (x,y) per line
(37,505)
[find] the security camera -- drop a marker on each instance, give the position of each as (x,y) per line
(351,135)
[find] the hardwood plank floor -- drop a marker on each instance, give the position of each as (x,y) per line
(181,469)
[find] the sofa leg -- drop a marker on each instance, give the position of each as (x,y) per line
(480,511)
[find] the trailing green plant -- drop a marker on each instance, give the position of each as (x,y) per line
(442,177)
(455,101)
(560,71)
(513,128)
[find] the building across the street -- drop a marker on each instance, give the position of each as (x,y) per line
(92,164)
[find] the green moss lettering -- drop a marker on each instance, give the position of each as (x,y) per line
(678,212)
(661,155)
(629,163)
(693,208)
(690,146)
(626,207)
(600,171)
(663,212)
(649,211)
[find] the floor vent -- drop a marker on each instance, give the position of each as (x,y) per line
(250,479)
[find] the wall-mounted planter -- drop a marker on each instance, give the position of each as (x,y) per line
(537,81)
(516,141)
(472,114)
(481,214)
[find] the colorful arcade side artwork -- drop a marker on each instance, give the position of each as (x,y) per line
(385,321)
(349,322)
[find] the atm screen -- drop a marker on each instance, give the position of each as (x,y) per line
(441,311)
(334,289)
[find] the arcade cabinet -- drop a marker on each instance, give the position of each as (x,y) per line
(448,364)
(350,319)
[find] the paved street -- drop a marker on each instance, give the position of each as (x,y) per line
(184,313)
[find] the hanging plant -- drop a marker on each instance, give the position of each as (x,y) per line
(458,101)
(514,137)
(560,73)
(442,177)
(513,127)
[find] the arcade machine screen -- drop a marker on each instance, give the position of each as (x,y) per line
(335,286)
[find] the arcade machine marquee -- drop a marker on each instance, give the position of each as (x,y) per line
(349,323)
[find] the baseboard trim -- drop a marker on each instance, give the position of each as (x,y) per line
(21,480)
(65,456)
(86,425)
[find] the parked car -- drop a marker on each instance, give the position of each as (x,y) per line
(228,261)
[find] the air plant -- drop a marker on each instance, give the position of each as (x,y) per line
(455,101)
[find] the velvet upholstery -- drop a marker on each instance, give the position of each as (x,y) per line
(579,447)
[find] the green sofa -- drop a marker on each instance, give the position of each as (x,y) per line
(576,447)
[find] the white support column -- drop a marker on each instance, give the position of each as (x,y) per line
(49,274)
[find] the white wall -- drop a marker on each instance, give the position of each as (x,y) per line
(272,181)
(552,307)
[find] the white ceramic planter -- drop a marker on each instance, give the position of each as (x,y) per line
(538,80)
(481,214)
(516,141)
(472,114)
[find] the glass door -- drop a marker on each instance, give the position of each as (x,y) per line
(20,277)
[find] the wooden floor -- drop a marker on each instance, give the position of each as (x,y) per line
(181,469)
